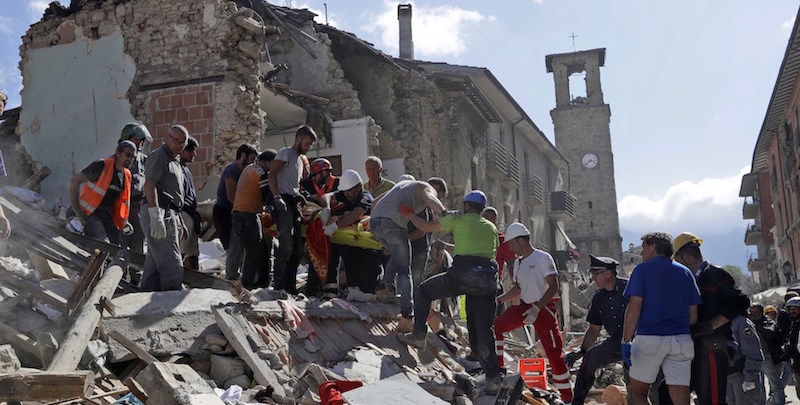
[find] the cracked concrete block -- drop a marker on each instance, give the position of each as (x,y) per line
(249,24)
(241,380)
(250,48)
(176,384)
(165,322)
(224,368)
(9,363)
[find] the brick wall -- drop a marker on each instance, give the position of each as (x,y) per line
(193,107)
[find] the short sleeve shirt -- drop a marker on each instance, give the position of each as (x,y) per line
(93,172)
(383,187)
(248,190)
(363,201)
(474,235)
(190,197)
(232,170)
(530,274)
(667,289)
(165,170)
(608,308)
(289,176)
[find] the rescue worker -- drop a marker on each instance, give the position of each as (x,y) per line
(190,249)
(320,181)
(390,227)
(744,371)
(101,193)
(376,184)
(252,192)
(722,301)
(474,273)
(793,309)
(607,311)
(772,346)
(226,192)
(284,181)
(348,205)
(159,217)
(536,285)
(139,135)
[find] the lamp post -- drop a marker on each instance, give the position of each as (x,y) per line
(788,271)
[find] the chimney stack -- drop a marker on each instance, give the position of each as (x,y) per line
(406,40)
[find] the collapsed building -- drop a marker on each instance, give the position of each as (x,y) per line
(242,71)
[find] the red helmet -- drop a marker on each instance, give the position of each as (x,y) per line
(319,165)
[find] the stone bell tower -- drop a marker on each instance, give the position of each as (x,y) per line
(583,136)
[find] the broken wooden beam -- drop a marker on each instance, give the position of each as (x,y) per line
(51,386)
(48,297)
(33,181)
(69,353)
(235,328)
(133,347)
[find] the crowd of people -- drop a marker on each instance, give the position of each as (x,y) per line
(679,324)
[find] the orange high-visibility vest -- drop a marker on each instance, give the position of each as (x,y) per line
(93,193)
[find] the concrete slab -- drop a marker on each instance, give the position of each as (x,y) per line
(166,322)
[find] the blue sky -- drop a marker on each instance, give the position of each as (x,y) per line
(688,84)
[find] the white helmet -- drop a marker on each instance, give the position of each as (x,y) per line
(349,179)
(516,230)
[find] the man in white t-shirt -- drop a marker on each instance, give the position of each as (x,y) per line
(536,285)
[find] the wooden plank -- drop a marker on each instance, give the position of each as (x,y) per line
(136,389)
(20,340)
(133,347)
(236,330)
(45,386)
(46,268)
(47,296)
(89,277)
(72,347)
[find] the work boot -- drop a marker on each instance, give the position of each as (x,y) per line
(412,339)
(492,385)
(405,324)
(386,295)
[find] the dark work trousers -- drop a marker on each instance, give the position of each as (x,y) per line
(247,227)
(290,248)
(265,267)
(362,267)
(331,285)
(475,277)
(609,351)
(134,242)
(221,216)
(101,226)
(710,369)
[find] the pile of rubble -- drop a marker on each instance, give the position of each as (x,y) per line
(77,331)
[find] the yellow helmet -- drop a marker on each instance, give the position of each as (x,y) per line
(770,308)
(684,239)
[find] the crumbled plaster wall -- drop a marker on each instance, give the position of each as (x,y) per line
(319,75)
(191,64)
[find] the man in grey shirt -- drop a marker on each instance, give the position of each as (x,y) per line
(284,176)
(160,216)
(390,228)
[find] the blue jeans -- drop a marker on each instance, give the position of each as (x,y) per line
(477,278)
(395,238)
(774,373)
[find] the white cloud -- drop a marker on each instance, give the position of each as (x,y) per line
(788,24)
(36,9)
(709,206)
(333,18)
(438,31)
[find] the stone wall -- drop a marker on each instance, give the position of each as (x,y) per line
(203,54)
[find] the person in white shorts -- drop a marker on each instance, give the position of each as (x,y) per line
(663,304)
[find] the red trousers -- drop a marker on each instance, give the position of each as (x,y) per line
(547,330)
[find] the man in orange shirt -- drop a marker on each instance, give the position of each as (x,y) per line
(252,190)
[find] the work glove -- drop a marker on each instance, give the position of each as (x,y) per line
(626,353)
(325,215)
(127,229)
(406,210)
(329,230)
(530,315)
(748,385)
(573,356)
(278,204)
(158,230)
